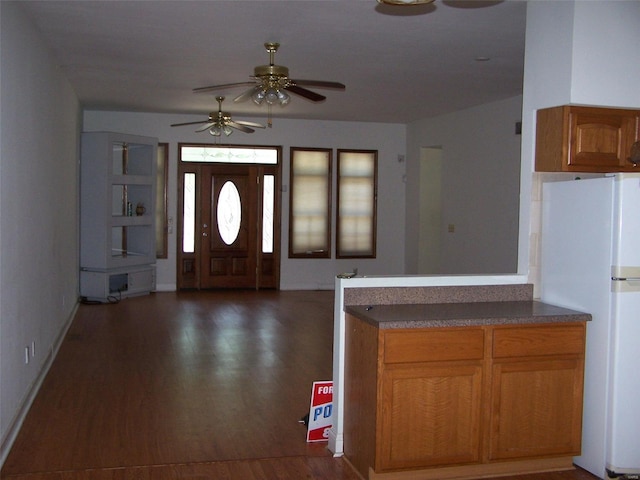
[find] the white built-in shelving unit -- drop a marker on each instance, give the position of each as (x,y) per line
(117,234)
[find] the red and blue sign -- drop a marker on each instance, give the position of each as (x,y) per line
(320,412)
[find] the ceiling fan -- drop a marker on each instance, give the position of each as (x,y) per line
(220,122)
(271,84)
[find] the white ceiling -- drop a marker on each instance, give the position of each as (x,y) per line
(399,64)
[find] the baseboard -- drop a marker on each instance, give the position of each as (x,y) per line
(166,287)
(485,470)
(16,423)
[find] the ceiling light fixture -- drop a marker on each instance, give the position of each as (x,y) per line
(271,85)
(221,122)
(405,2)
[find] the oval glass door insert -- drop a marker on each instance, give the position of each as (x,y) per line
(229,213)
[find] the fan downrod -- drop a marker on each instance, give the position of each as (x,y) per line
(272,69)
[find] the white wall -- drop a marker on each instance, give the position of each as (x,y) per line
(480,181)
(39,123)
(588,68)
(388,139)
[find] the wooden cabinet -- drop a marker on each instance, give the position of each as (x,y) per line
(536,391)
(585,139)
(482,398)
(117,216)
(431,392)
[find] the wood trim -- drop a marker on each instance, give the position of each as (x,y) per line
(188,264)
(374,226)
(326,253)
(163,149)
(468,472)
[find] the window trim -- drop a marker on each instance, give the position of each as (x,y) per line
(325,253)
(162,184)
(374,215)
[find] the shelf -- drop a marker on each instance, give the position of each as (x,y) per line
(117,173)
(106,286)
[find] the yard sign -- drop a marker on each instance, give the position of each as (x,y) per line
(320,412)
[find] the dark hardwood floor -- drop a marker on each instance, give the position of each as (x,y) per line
(192,385)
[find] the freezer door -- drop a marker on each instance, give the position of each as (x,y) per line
(626,246)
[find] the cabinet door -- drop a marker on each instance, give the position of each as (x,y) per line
(573,138)
(430,415)
(601,139)
(536,408)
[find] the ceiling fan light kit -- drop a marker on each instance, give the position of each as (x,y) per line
(271,85)
(221,122)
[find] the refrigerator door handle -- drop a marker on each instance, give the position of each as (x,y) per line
(625,279)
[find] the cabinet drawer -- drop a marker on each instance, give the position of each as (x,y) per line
(433,345)
(534,341)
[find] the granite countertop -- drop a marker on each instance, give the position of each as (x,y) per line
(463,314)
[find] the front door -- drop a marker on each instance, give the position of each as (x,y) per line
(229,248)
(235,235)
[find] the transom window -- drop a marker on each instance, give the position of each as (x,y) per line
(216,154)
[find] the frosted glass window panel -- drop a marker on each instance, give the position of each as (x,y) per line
(229,213)
(359,192)
(268,202)
(214,154)
(312,234)
(310,217)
(189,213)
(355,164)
(356,210)
(355,234)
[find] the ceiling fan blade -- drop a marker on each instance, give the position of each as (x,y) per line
(246,95)
(240,127)
(303,92)
(206,127)
(319,84)
(217,87)
(249,124)
(190,123)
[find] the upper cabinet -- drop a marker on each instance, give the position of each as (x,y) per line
(573,138)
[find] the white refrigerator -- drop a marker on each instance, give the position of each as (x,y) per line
(590,261)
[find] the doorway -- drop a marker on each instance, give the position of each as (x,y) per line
(429,232)
(228,218)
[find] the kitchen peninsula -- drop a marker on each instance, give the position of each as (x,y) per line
(460,382)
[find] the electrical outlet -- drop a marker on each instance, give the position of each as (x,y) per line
(27,355)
